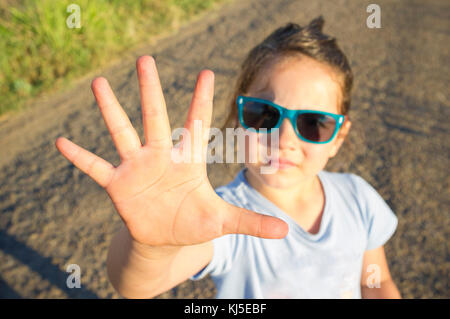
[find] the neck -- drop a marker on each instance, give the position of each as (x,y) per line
(287,198)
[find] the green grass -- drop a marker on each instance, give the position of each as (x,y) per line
(40,53)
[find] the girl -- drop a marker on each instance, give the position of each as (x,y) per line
(300,232)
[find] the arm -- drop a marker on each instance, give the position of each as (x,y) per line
(140,271)
(376,281)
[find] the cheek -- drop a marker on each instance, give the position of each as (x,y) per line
(256,150)
(317,155)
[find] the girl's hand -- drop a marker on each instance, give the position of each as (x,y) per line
(160,201)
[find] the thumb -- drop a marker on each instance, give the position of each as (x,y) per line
(242,221)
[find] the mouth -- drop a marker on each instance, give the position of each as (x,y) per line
(281,163)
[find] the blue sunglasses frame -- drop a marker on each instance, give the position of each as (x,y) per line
(287,113)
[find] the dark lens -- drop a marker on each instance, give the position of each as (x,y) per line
(260,115)
(316,127)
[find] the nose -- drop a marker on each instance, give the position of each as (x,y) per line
(288,139)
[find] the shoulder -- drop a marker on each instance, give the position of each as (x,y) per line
(356,192)
(347,183)
(363,199)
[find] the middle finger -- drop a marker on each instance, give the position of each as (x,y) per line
(154,111)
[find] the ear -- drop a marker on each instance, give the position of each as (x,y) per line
(342,134)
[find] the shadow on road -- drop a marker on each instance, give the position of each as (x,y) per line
(39,264)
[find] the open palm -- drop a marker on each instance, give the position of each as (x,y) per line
(161,201)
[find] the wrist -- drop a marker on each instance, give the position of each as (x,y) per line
(147,251)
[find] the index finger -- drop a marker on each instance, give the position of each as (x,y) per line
(200,111)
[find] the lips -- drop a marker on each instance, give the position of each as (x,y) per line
(282,163)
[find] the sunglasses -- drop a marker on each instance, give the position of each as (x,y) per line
(310,126)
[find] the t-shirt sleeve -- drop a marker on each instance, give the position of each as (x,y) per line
(225,247)
(222,257)
(379,219)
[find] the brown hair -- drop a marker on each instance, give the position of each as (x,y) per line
(291,40)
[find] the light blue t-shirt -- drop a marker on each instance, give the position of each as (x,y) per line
(327,264)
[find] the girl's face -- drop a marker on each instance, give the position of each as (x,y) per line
(296,83)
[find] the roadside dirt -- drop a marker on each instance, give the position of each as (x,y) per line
(52,215)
